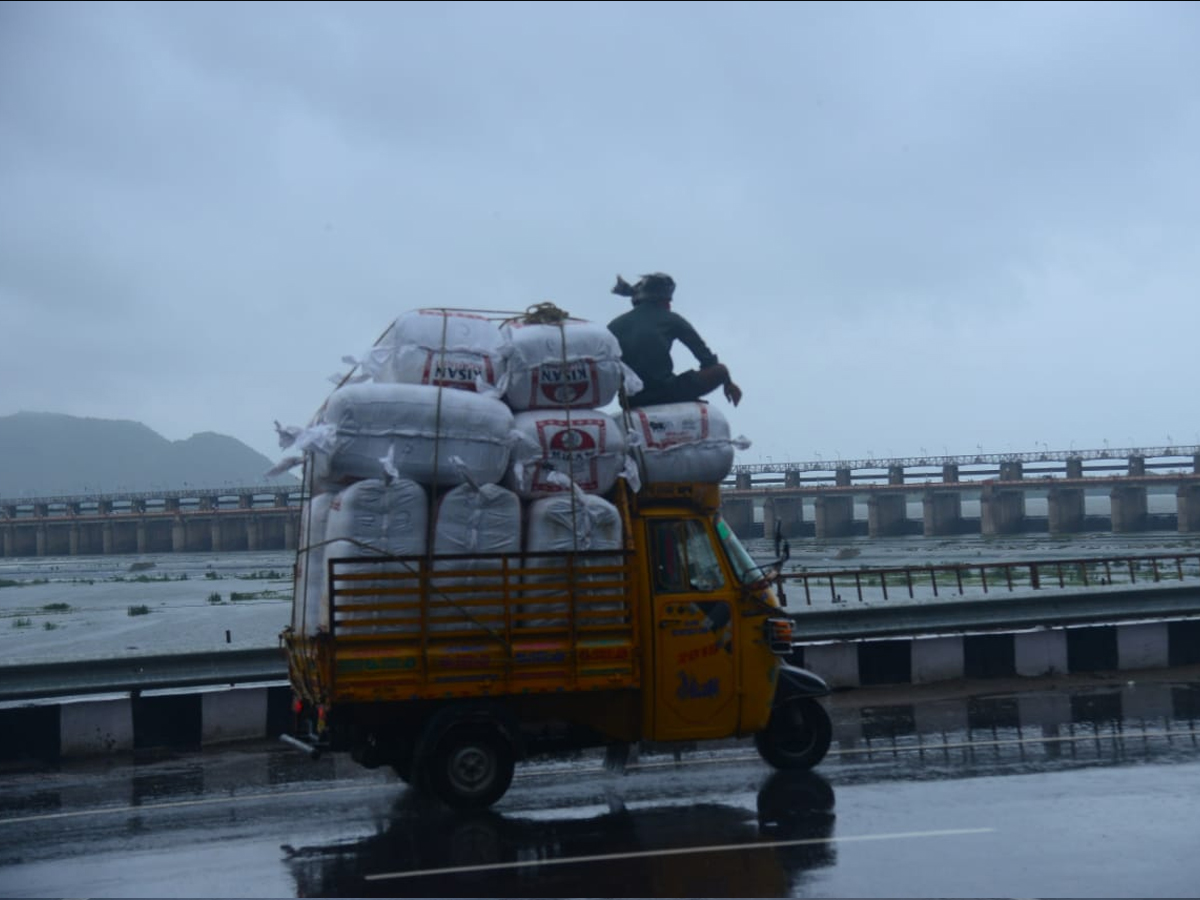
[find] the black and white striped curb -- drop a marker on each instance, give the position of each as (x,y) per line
(1033,653)
(97,726)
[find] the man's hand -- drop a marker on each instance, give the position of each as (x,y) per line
(733,393)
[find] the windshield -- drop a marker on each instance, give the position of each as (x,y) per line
(747,570)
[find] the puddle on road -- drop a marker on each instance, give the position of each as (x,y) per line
(703,849)
(741,832)
(1101,725)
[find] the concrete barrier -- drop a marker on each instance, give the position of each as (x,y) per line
(179,720)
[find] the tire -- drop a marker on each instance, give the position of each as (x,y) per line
(797,737)
(471,767)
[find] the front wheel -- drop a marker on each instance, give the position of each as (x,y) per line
(797,736)
(471,767)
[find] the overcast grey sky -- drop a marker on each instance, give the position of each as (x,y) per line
(908,228)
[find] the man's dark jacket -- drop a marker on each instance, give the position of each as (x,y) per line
(646,333)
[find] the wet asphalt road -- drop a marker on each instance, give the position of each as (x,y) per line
(1060,791)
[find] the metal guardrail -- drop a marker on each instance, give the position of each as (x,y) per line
(46,681)
(914,601)
(134,674)
(972,579)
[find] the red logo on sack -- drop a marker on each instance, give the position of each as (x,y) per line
(457,370)
(570,441)
(661,434)
(571,447)
(574,383)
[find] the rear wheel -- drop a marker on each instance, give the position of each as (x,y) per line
(470,767)
(798,735)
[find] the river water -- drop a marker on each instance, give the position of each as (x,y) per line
(58,608)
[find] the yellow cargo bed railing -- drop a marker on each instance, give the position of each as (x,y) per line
(421,628)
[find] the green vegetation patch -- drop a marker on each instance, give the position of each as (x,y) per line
(22,623)
(140,610)
(57,607)
(259,595)
(149,579)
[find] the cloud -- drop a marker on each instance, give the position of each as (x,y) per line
(902,225)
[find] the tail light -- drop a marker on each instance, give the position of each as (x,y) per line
(779,635)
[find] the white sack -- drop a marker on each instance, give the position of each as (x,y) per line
(587,446)
(681,442)
(413,431)
(376,518)
(560,524)
(450,348)
(575,364)
(310,610)
(484,520)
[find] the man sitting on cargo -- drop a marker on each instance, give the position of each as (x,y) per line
(646,334)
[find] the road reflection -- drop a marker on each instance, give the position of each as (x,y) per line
(706,849)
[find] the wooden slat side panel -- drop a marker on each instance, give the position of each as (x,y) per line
(406,628)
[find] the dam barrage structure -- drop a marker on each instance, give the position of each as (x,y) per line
(823,499)
(207,520)
(983,494)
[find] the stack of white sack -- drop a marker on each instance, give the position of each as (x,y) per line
(566,522)
(379,518)
(440,347)
(484,523)
(682,442)
(312,614)
(572,364)
(435,406)
(411,431)
(587,446)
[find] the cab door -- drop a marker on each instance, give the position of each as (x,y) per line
(695,678)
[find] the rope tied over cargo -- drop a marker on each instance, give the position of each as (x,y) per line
(545,314)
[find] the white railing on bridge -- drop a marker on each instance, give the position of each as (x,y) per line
(1184,453)
(182,493)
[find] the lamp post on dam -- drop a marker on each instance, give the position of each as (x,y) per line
(820,498)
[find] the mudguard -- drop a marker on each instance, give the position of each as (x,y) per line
(795,683)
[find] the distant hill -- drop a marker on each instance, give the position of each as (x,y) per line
(43,454)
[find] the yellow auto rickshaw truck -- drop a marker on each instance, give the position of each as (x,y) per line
(452,669)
